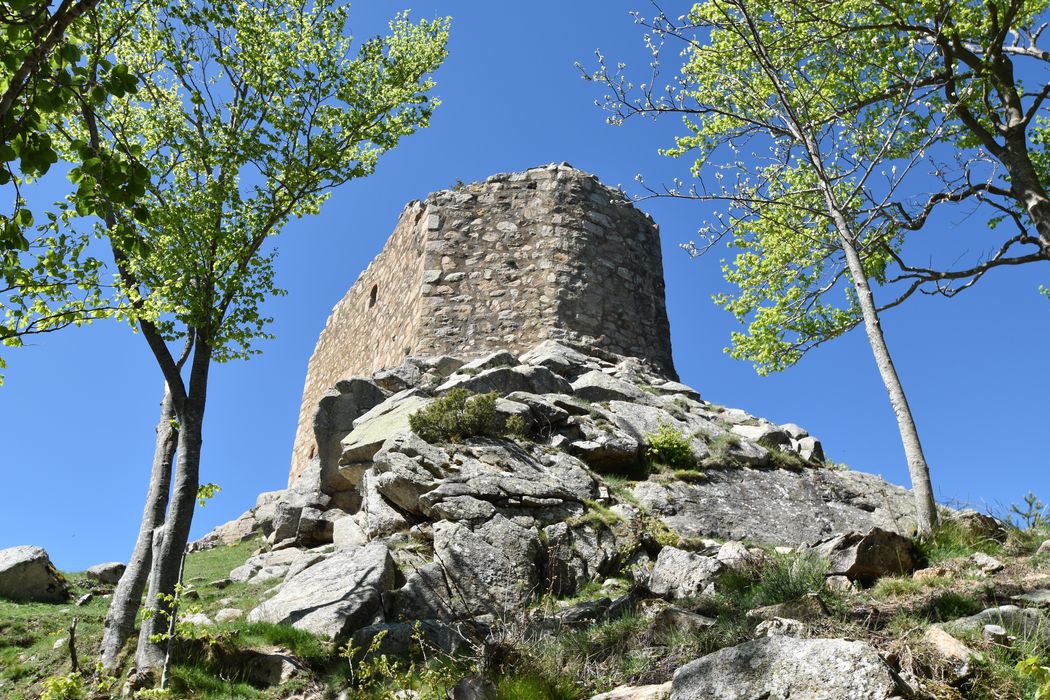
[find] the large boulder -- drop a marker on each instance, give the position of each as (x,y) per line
(782,667)
(108,573)
(373,429)
(26,573)
(528,484)
(777,506)
(559,358)
(680,574)
(407,467)
(336,412)
(492,568)
(868,557)
(335,597)
(598,386)
(1025,623)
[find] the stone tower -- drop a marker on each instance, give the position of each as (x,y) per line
(549,253)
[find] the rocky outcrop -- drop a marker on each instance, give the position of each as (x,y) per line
(394,528)
(26,573)
(782,667)
(777,506)
(335,597)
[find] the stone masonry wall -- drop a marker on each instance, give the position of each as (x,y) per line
(501,264)
(362,335)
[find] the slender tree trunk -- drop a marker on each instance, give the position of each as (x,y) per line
(127,598)
(176,530)
(922,489)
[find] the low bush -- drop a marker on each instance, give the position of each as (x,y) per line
(457,415)
(668,446)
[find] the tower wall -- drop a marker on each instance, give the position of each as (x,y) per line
(501,264)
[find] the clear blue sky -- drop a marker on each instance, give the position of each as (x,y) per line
(78,410)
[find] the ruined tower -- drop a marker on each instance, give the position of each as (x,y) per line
(549,253)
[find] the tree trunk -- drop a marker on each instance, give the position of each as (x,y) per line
(922,489)
(127,598)
(176,529)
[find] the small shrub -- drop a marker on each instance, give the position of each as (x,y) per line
(670,447)
(69,687)
(1032,514)
(1032,669)
(457,415)
(516,426)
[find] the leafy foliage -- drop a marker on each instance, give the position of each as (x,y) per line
(56,67)
(457,415)
(1033,669)
(668,446)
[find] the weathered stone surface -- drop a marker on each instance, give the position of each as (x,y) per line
(507,380)
(1021,622)
(987,564)
(782,667)
(674,619)
(26,573)
(608,451)
(336,412)
(776,506)
(735,555)
(559,358)
(347,534)
(377,516)
(406,375)
(980,525)
(1040,597)
(265,566)
(335,597)
(407,467)
(493,567)
(228,614)
(680,574)
(779,627)
(766,432)
(531,483)
(955,657)
(638,692)
(504,264)
(807,608)
(373,429)
(575,556)
(868,557)
(500,358)
(598,386)
(108,573)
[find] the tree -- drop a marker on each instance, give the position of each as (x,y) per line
(47,279)
(249,113)
(807,206)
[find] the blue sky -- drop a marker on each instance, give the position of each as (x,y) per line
(78,409)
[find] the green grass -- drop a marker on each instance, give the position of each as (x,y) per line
(596,516)
(952,540)
(28,632)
